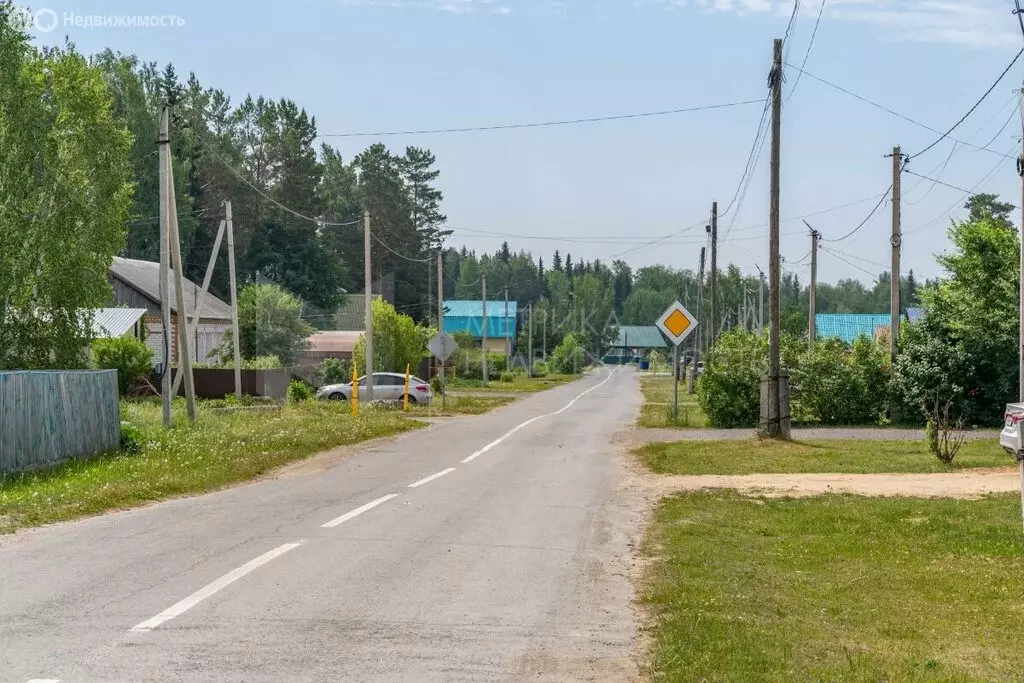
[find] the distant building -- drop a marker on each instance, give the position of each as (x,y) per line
(137,284)
(324,345)
(113,323)
(849,326)
(633,342)
(467,316)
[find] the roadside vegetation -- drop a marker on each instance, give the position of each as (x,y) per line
(517,383)
(834,588)
(222,448)
(461,405)
(657,408)
(756,456)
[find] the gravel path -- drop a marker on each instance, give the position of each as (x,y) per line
(970,484)
(640,437)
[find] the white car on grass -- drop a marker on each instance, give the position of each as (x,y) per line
(1010,438)
(387,386)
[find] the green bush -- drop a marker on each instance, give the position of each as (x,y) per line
(335,371)
(464,339)
(507,377)
(299,392)
(259,363)
(729,388)
(469,364)
(131,438)
(569,357)
(840,385)
(131,358)
(540,368)
(435,384)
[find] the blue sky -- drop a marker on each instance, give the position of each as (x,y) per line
(382,65)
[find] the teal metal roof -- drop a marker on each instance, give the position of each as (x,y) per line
(636,337)
(849,326)
(467,316)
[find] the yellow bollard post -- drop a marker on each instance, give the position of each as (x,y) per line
(355,393)
(405,401)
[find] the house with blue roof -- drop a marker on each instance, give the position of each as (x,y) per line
(468,316)
(849,326)
(634,342)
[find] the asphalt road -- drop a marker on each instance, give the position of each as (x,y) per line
(484,548)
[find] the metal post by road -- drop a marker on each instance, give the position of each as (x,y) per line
(368,301)
(675,383)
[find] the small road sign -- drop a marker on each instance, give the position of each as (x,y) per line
(442,346)
(677,323)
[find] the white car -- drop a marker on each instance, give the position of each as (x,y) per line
(1010,437)
(387,386)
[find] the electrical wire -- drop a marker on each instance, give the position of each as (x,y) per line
(867,218)
(851,263)
(941,169)
(807,54)
(761,129)
(976,105)
(407,258)
(936,181)
(237,174)
(543,124)
(893,112)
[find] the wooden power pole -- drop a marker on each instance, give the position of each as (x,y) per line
(164,148)
(812,324)
(368,304)
(529,344)
(234,299)
(440,321)
(715,322)
(897,240)
(775,427)
(483,328)
(699,337)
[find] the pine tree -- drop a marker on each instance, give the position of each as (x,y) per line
(556,262)
(568,264)
(540,268)
(419,173)
(506,252)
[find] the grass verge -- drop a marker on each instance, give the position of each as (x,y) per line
(771,457)
(835,588)
(461,405)
(222,448)
(657,408)
(521,384)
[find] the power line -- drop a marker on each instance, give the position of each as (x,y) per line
(761,129)
(850,263)
(867,218)
(807,54)
(976,105)
(895,113)
(237,174)
(407,258)
(543,124)
(941,169)
(936,181)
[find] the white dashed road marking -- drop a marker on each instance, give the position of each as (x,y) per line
(432,477)
(358,511)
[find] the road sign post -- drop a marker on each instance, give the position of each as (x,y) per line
(442,346)
(676,323)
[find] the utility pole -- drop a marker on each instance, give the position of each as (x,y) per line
(368,301)
(184,353)
(715,322)
(699,337)
(483,329)
(440,321)
(529,344)
(812,325)
(1020,170)
(775,408)
(897,240)
(544,340)
(508,349)
(164,147)
(234,299)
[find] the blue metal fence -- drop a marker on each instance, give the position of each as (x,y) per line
(46,417)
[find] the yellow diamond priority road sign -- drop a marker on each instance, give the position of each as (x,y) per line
(677,323)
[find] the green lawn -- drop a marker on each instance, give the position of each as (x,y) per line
(221,449)
(521,384)
(657,408)
(763,456)
(835,588)
(462,405)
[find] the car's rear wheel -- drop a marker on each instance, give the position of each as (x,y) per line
(337,397)
(412,399)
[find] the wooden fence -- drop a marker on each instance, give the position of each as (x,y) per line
(46,417)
